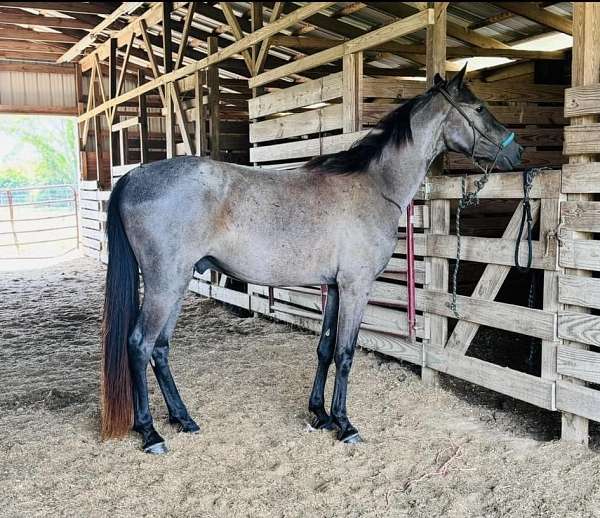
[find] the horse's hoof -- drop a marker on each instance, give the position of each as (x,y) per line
(323,424)
(353,439)
(159,448)
(190,427)
(185,426)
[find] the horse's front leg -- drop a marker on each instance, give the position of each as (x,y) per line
(353,298)
(316,404)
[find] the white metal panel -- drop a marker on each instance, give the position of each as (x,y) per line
(37,89)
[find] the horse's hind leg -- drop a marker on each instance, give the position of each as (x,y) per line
(325,352)
(178,413)
(162,291)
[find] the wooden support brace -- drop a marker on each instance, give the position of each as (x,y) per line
(489,284)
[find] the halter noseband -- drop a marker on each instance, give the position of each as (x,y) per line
(506,142)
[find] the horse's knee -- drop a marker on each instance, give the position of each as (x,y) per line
(139,350)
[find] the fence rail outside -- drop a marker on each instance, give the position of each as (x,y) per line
(34,216)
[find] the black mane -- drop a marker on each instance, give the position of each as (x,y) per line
(394,127)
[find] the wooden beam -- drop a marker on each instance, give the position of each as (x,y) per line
(152,58)
(368,40)
(152,16)
(64,7)
(185,33)
(17,33)
(238,34)
(531,11)
(227,52)
(181,120)
(212,81)
(37,110)
(37,68)
(122,75)
(439,209)
(352,92)
(143,118)
(44,21)
(264,46)
(116,141)
(29,46)
(88,39)
(585,71)
(490,21)
(316,43)
(200,113)
(454,30)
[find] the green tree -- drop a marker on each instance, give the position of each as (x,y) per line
(42,151)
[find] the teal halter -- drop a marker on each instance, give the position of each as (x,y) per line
(508,140)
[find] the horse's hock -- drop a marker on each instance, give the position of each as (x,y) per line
(531,336)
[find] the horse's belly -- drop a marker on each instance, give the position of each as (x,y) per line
(274,261)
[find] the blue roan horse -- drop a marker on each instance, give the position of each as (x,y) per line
(332,221)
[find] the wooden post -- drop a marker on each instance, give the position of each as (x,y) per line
(213,102)
(352,92)
(256,23)
(585,71)
(143,118)
(439,209)
(112,93)
(200,113)
(80,109)
(168,67)
(104,179)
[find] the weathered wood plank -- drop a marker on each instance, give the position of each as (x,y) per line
(582,216)
(579,327)
(315,121)
(518,319)
(584,139)
(488,250)
(581,178)
(500,379)
(579,253)
(578,400)
(311,92)
(579,291)
(578,363)
(500,185)
(582,100)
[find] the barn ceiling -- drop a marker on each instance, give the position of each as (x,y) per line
(50,32)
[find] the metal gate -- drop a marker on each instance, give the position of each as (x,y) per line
(38,222)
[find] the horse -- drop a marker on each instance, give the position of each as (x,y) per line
(332,221)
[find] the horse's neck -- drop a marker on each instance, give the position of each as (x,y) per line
(402,171)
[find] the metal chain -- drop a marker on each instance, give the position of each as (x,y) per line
(468,199)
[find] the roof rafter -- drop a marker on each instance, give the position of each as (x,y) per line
(539,15)
(87,40)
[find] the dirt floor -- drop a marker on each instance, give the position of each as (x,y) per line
(457,451)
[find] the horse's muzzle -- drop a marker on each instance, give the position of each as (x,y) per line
(510,157)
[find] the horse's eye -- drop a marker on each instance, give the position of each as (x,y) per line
(479,109)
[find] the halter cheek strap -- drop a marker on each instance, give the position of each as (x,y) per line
(505,143)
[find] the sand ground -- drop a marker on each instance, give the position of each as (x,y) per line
(454,451)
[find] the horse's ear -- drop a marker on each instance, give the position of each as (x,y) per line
(437,79)
(459,79)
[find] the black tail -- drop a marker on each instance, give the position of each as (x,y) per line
(121,307)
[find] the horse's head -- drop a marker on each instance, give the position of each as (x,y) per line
(472,130)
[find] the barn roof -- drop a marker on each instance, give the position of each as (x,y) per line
(50,32)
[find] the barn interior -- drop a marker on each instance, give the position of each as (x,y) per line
(273,84)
